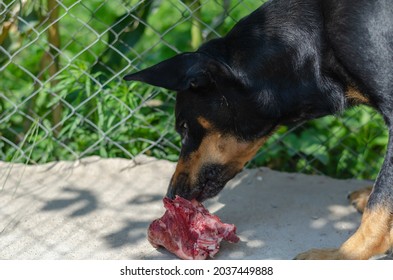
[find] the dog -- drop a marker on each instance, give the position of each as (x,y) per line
(286,62)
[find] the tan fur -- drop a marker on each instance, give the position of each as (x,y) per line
(373,237)
(204,123)
(217,148)
(356,96)
(359,198)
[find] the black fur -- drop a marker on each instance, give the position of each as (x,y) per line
(288,61)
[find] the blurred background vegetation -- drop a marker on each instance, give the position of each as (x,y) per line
(62,96)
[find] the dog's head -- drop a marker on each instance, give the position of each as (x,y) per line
(217,119)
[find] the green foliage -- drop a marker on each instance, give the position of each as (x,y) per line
(113,122)
(126,31)
(352,145)
(102,115)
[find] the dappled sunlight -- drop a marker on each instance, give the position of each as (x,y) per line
(103,207)
(255,243)
(319,223)
(236,255)
(213,205)
(250,239)
(341,216)
(337,217)
(338,212)
(343,225)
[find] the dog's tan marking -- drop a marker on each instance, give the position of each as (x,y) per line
(355,96)
(359,198)
(217,148)
(204,123)
(373,237)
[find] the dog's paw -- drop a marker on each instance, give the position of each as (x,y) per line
(359,198)
(320,254)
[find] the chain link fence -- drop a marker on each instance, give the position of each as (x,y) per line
(62,96)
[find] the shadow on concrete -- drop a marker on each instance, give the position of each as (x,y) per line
(145,198)
(86,199)
(129,234)
(133,231)
(277,218)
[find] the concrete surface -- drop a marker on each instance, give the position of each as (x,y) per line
(100,209)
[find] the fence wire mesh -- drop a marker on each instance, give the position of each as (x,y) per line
(62,96)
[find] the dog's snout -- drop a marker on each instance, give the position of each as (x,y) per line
(170,192)
(211,173)
(178,185)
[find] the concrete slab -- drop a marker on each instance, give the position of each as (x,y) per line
(100,209)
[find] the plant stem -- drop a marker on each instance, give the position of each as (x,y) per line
(4,32)
(196,28)
(54,47)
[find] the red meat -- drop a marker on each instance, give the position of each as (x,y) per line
(189,231)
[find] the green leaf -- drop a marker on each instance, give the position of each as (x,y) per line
(28,20)
(125,33)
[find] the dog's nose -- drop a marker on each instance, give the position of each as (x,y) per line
(178,186)
(170,192)
(212,173)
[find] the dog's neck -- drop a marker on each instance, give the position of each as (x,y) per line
(283,64)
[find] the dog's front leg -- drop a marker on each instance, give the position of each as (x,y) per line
(373,237)
(375,233)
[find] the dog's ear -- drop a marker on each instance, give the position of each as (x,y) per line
(181,72)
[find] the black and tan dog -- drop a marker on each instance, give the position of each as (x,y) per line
(288,61)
